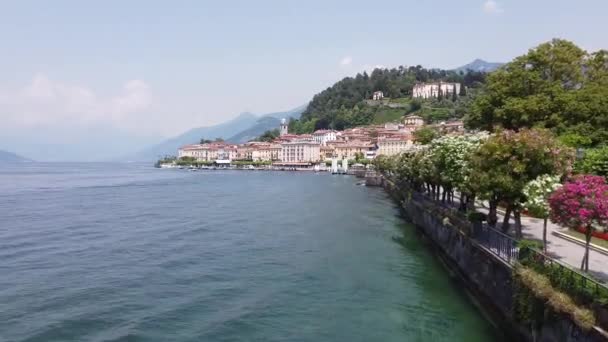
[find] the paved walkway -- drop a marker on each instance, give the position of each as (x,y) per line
(561,249)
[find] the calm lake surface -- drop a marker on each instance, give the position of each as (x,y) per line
(126,252)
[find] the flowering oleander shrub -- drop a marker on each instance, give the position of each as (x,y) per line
(581,202)
(537,194)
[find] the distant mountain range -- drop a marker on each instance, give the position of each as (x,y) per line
(10,157)
(265,123)
(480,65)
(241,129)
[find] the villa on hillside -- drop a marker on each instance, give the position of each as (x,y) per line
(430,90)
(413,121)
(378,95)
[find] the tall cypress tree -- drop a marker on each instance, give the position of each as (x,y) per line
(463,90)
(454,95)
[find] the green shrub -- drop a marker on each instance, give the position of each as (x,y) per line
(476,216)
(542,287)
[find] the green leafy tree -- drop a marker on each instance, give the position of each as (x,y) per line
(425,135)
(384,164)
(205,141)
(507,161)
(575,140)
(359,156)
(595,161)
(537,193)
(269,135)
(334,107)
(556,85)
(463,90)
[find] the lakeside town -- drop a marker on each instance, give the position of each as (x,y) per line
(314,171)
(525,191)
(315,151)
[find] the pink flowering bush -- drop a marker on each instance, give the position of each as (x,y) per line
(581,203)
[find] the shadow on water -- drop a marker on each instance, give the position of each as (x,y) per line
(442,283)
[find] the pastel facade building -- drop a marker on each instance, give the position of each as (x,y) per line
(350,149)
(327,152)
(394,145)
(209,152)
(300,152)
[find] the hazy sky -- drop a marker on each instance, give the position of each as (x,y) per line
(76,71)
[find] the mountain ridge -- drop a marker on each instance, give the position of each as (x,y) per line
(480,65)
(265,123)
(245,124)
(10,157)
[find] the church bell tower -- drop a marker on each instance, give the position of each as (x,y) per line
(284,127)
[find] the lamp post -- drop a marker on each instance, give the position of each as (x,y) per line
(580,153)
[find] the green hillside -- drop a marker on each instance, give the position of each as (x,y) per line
(347,103)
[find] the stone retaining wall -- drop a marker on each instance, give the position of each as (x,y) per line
(486,276)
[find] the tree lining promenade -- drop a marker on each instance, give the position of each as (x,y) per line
(558,248)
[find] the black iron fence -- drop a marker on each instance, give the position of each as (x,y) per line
(502,245)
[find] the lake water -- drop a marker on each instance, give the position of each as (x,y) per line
(126,252)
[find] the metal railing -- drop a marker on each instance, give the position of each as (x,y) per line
(501,245)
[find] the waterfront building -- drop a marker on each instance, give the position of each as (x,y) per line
(394,145)
(327,152)
(209,152)
(244,152)
(191,151)
(266,152)
(349,149)
(429,90)
(300,152)
(322,136)
(276,151)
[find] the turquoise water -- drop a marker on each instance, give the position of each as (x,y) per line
(125,252)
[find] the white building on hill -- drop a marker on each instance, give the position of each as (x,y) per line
(322,136)
(428,90)
(378,95)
